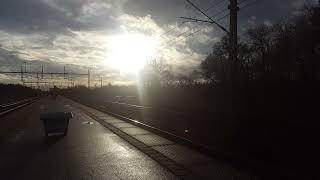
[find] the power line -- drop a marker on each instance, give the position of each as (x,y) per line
(249,4)
(242,2)
(202,12)
(213,5)
(177,36)
(219,19)
(193,33)
(220,12)
(245,6)
(196,20)
(171,42)
(172,28)
(183,38)
(213,21)
(226,15)
(176,26)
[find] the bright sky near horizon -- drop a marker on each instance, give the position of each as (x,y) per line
(112,36)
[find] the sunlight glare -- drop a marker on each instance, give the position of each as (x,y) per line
(128,53)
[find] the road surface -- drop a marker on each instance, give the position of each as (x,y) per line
(89,151)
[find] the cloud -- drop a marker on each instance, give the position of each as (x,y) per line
(164,12)
(29,16)
(297,4)
(133,24)
(80,32)
(10,61)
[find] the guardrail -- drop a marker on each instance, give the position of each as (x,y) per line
(12,106)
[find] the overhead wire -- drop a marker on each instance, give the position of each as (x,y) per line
(249,4)
(193,33)
(210,18)
(178,25)
(219,19)
(214,5)
(220,12)
(175,27)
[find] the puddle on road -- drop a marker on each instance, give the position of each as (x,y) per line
(87,123)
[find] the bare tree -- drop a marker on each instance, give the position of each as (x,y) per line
(157,72)
(260,38)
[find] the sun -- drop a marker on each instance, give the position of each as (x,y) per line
(129,53)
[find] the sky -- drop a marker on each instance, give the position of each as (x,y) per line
(114,38)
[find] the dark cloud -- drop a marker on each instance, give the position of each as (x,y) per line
(27,16)
(164,11)
(57,15)
(168,11)
(10,61)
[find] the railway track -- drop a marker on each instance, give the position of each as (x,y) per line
(116,108)
(237,160)
(12,106)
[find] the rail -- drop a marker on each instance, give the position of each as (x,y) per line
(242,161)
(182,140)
(12,106)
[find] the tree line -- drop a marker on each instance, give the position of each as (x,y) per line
(285,51)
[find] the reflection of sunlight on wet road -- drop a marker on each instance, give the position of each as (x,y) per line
(87,123)
(88,151)
(113,139)
(102,141)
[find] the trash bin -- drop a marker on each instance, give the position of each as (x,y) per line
(56,122)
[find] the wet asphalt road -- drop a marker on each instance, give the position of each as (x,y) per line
(89,151)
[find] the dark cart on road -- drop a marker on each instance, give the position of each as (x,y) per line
(56,122)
